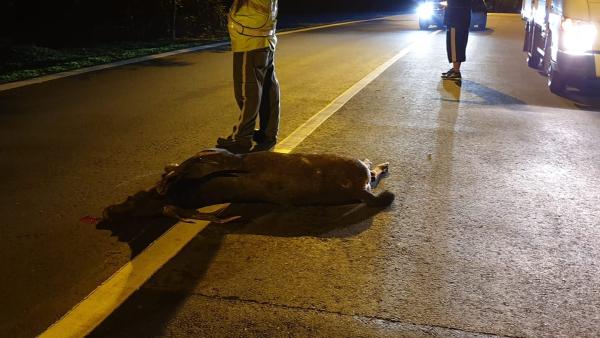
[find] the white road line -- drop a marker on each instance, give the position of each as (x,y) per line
(105,299)
(45,78)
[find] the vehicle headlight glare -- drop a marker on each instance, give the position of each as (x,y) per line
(425,10)
(578,36)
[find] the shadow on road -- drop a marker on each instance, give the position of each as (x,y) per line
(150,310)
(325,222)
(147,312)
(486,31)
(582,95)
(138,220)
(486,95)
(138,233)
(489,95)
(586,100)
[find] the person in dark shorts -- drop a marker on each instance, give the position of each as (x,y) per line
(458,21)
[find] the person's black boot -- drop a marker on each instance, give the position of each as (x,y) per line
(264,146)
(234,146)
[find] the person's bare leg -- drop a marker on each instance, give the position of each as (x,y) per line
(456,66)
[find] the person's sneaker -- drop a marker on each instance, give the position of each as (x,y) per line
(451,75)
(233,146)
(448,72)
(264,146)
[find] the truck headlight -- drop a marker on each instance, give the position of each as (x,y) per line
(578,36)
(425,10)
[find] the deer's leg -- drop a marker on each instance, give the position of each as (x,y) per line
(380,200)
(378,172)
(193,214)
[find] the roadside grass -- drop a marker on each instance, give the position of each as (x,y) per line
(29,61)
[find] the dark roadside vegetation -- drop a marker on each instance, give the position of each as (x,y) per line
(43,37)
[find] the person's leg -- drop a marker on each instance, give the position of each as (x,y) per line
(450,43)
(452,51)
(269,108)
(248,79)
(252,88)
(461,39)
(238,63)
(456,45)
(263,112)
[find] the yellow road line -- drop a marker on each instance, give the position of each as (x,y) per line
(107,297)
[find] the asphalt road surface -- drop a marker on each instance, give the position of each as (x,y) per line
(495,229)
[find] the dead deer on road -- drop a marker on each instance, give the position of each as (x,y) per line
(217,176)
